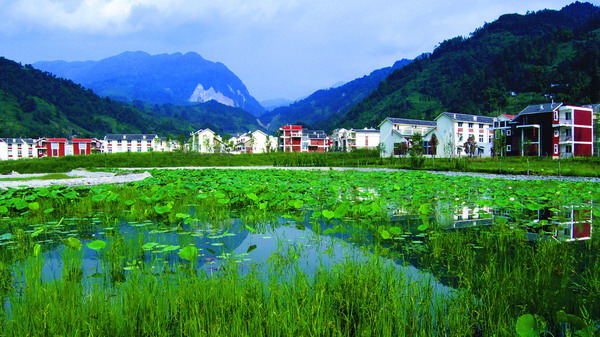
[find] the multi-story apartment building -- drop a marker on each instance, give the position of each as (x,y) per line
(344,140)
(293,138)
(455,129)
(552,129)
(254,142)
(16,148)
(396,134)
(117,143)
(59,147)
(205,141)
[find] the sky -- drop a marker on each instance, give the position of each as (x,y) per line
(278,48)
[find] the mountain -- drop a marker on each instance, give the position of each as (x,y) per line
(271,104)
(328,104)
(500,68)
(177,79)
(34,104)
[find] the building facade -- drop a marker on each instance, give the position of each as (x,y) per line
(344,140)
(293,138)
(456,129)
(118,143)
(396,135)
(205,141)
(17,148)
(552,130)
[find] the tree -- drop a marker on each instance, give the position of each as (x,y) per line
(433,143)
(470,146)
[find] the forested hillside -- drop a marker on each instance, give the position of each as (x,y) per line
(328,104)
(503,66)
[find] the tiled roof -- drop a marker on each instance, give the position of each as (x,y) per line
(411,121)
(540,108)
(467,118)
(129,137)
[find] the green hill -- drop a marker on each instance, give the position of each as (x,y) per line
(500,68)
(35,104)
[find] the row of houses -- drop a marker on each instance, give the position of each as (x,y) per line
(17,148)
(550,130)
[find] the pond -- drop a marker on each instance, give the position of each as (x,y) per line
(302,253)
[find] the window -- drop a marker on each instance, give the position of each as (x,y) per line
(568,116)
(481,126)
(470,125)
(568,133)
(508,148)
(490,139)
(568,149)
(509,132)
(556,133)
(555,115)
(481,138)
(555,148)
(460,124)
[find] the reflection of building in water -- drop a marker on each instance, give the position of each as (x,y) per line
(466,216)
(565,223)
(574,223)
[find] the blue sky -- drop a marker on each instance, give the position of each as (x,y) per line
(278,48)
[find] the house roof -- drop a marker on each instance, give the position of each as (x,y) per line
(18,140)
(467,118)
(540,108)
(509,116)
(365,130)
(128,137)
(407,121)
(595,107)
(314,134)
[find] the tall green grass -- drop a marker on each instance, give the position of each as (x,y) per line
(362,158)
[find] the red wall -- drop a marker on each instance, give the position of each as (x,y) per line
(583,150)
(583,134)
(582,117)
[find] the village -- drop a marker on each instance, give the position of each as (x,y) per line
(552,130)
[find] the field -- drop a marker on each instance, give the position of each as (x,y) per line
(324,253)
(584,167)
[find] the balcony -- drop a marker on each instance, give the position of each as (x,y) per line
(564,122)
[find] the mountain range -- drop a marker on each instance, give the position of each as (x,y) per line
(327,104)
(34,104)
(178,79)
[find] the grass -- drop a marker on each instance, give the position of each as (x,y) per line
(51,176)
(585,167)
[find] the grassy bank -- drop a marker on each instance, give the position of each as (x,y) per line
(585,167)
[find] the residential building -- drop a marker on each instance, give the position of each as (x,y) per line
(60,147)
(290,139)
(552,129)
(396,134)
(205,141)
(316,140)
(254,142)
(118,143)
(16,148)
(293,138)
(455,129)
(349,140)
(596,109)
